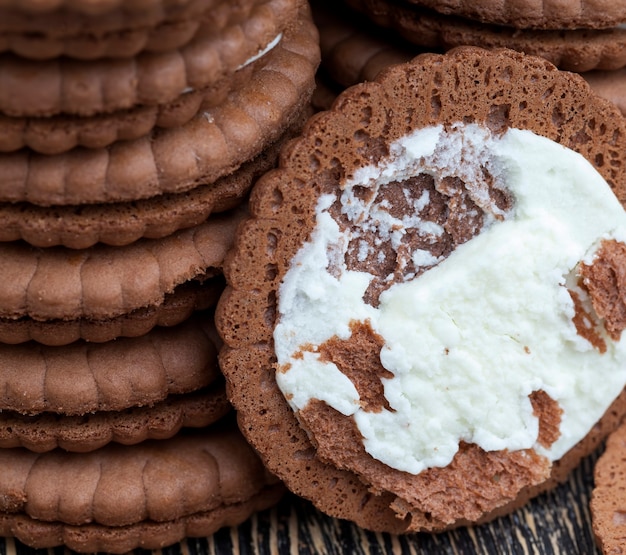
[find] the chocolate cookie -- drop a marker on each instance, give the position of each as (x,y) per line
(82,396)
(114,34)
(103,85)
(578,49)
(101,8)
(102,282)
(44,432)
(119,498)
(213,144)
(60,133)
(56,295)
(353,52)
(356,51)
(403,329)
(87,377)
(118,224)
(548,14)
(607,502)
(187,298)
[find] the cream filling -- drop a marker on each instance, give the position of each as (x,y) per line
(472,337)
(270,46)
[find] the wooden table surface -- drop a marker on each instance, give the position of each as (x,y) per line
(557,522)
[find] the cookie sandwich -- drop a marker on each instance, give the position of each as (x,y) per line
(419,304)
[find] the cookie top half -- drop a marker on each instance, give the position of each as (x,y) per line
(422,292)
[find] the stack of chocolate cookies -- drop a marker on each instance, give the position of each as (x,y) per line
(130,134)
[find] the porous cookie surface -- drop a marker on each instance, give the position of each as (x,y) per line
(610,85)
(121,497)
(607,505)
(548,14)
(322,455)
(574,50)
(211,145)
(119,224)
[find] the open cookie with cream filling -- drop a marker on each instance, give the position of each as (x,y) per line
(424,312)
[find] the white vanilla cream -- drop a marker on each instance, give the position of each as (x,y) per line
(468,340)
(261,52)
(267,48)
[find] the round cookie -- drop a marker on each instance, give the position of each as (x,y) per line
(88,432)
(102,282)
(119,498)
(213,144)
(187,298)
(526,14)
(573,49)
(61,133)
(114,34)
(82,396)
(84,88)
(308,219)
(355,53)
(607,502)
(85,377)
(119,224)
(100,8)
(57,295)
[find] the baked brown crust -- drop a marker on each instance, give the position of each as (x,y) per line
(176,307)
(352,53)
(211,145)
(497,89)
(113,35)
(119,224)
(103,282)
(607,500)
(66,86)
(92,7)
(571,49)
(91,538)
(81,434)
(110,376)
(116,498)
(52,135)
(547,14)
